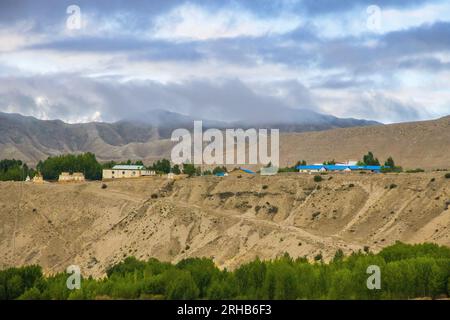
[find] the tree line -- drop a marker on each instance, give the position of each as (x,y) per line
(407,271)
(85,163)
(14,170)
(389,165)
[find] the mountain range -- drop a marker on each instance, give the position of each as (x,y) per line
(141,136)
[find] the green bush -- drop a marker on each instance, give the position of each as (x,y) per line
(318,178)
(447,175)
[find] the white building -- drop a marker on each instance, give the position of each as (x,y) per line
(269,171)
(71,177)
(127,171)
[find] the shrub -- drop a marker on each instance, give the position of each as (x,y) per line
(447,175)
(104,186)
(272,210)
(315,215)
(318,178)
(417,170)
(392,186)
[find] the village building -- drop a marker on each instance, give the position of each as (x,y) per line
(71,177)
(127,171)
(38,178)
(338,168)
(269,171)
(242,172)
(221,174)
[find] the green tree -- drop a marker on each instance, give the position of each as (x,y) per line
(390,163)
(162,166)
(202,270)
(176,169)
(180,285)
(31,294)
(338,256)
(189,169)
(85,163)
(341,285)
(370,160)
(14,170)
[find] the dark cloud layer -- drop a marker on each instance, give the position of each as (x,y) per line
(305,62)
(77,99)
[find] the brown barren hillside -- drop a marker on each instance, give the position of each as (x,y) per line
(424,144)
(230,219)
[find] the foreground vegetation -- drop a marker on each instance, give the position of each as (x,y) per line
(407,271)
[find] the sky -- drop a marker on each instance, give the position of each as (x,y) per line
(82,61)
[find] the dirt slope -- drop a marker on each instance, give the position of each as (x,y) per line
(423,144)
(230,219)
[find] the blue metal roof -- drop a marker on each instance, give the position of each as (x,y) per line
(339,167)
(220,174)
(310,167)
(247,171)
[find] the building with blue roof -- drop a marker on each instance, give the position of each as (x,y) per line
(342,168)
(242,172)
(221,174)
(247,171)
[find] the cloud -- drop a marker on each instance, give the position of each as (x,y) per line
(77,99)
(319,7)
(73,98)
(194,22)
(225,58)
(388,109)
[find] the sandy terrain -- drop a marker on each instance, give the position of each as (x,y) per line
(230,219)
